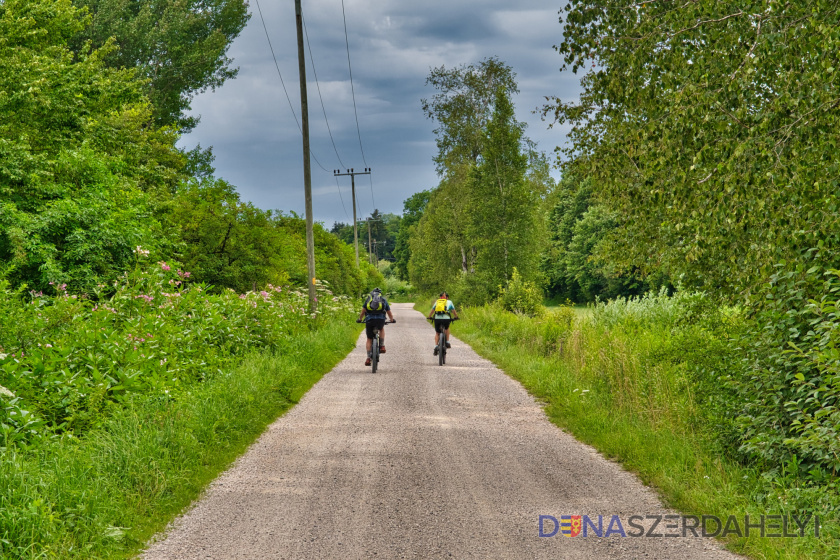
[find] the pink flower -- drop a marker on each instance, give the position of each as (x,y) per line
(164,266)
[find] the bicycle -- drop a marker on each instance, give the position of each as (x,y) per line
(374,350)
(442,343)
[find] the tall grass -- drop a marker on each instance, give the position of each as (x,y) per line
(104,495)
(640,380)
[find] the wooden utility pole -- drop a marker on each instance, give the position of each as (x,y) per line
(352,175)
(307,171)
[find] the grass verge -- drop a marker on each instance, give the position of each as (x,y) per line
(105,495)
(629,394)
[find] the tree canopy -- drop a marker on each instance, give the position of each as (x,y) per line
(179,46)
(710,131)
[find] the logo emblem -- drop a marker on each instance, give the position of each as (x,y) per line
(570,525)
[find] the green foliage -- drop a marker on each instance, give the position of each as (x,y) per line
(81,167)
(789,387)
(228,243)
(104,495)
(232,244)
(70,361)
(483,218)
(643,381)
(413,208)
(709,141)
(180,47)
(578,230)
(521,296)
(463,106)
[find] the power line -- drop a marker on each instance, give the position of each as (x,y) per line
(277,66)
(318,85)
(352,87)
(371,192)
(342,198)
(355,110)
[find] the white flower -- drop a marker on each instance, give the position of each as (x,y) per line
(3,390)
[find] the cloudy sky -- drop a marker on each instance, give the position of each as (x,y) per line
(393,45)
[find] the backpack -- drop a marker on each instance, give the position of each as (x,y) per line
(440,306)
(375,302)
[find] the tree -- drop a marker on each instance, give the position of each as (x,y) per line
(226,242)
(503,222)
(179,46)
(413,208)
(482,220)
(81,165)
(713,146)
(462,108)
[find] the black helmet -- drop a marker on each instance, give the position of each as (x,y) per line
(376,290)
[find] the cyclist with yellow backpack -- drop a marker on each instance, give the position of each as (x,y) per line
(443,312)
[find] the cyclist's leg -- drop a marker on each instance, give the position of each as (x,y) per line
(369,332)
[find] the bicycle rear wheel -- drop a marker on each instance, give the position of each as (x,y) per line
(442,349)
(374,353)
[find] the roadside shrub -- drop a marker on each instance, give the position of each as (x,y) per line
(521,296)
(70,361)
(789,391)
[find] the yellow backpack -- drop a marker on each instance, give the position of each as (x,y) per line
(440,306)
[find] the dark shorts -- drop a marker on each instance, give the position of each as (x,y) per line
(442,324)
(374,324)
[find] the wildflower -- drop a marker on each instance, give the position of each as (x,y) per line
(48,345)
(3,390)
(164,266)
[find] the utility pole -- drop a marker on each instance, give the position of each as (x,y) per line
(307,171)
(352,175)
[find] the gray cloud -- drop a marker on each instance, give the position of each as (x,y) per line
(393,45)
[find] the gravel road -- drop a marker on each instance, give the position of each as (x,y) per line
(419,461)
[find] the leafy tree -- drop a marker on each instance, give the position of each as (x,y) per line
(80,165)
(413,208)
(503,222)
(228,243)
(179,46)
(463,107)
(232,244)
(708,130)
(482,220)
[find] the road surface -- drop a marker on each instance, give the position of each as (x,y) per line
(420,461)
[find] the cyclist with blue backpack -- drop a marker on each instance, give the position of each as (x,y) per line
(443,312)
(373,314)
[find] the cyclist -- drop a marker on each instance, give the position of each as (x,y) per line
(373,314)
(442,312)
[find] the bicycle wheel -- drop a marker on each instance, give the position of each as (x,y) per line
(374,353)
(442,349)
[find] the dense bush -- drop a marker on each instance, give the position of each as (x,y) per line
(521,296)
(789,391)
(68,360)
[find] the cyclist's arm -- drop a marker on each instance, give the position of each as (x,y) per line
(390,315)
(362,315)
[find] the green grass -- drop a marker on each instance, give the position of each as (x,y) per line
(105,495)
(624,393)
